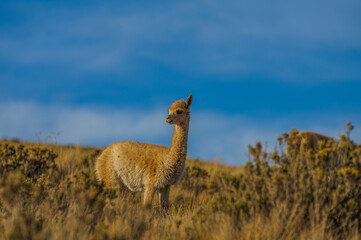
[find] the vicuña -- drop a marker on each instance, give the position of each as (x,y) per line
(308,140)
(311,138)
(149,167)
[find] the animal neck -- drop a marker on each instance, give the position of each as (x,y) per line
(178,150)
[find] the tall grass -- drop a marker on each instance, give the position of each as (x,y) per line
(50,192)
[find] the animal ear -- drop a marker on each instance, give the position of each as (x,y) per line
(189,101)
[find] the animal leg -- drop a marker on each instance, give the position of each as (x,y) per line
(148,196)
(164,198)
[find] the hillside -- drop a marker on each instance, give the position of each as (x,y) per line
(50,192)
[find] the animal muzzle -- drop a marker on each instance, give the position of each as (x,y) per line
(169,119)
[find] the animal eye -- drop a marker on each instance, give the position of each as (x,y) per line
(179,111)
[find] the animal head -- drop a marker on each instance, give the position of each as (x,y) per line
(178,112)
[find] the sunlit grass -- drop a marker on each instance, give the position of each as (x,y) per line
(50,192)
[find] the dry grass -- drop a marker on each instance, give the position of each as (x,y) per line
(312,194)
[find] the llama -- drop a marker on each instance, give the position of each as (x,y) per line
(149,167)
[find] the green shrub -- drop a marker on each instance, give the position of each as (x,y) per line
(30,162)
(290,193)
(314,185)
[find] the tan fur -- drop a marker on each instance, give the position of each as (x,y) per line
(310,139)
(149,167)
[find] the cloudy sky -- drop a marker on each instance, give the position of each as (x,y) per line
(94,72)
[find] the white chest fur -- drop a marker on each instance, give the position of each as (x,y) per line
(171,174)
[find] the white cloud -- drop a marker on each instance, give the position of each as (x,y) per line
(84,125)
(280,39)
(211,134)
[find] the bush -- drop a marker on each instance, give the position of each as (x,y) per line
(299,193)
(316,187)
(30,162)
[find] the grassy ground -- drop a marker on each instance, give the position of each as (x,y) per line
(50,192)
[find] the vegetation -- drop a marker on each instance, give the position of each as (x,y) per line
(50,192)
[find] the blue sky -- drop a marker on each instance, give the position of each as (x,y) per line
(103,71)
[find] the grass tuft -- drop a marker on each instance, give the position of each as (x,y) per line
(51,192)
